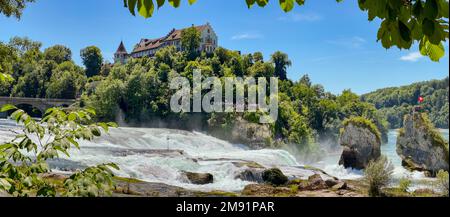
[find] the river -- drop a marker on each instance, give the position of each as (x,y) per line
(160,155)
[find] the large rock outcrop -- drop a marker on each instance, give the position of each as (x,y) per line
(362,143)
(421,146)
(252,134)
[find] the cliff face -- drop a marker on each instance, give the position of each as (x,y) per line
(255,135)
(361,144)
(421,146)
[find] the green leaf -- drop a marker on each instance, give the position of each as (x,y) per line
(287,5)
(431,9)
(174,3)
(72,116)
(113,124)
(113,165)
(7,107)
(428,27)
(104,126)
(262,3)
(192,1)
(302,2)
(405,32)
(443,8)
(6,146)
(418,9)
(250,3)
(146,8)
(160,3)
(435,52)
(5,184)
(75,143)
(132,6)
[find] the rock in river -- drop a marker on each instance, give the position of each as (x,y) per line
(362,143)
(199,178)
(420,146)
(274,176)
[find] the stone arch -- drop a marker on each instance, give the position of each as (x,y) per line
(34,111)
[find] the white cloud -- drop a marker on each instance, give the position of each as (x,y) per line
(296,17)
(412,57)
(247,36)
(354,42)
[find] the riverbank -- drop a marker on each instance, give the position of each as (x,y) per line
(312,187)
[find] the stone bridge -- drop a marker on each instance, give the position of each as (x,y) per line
(41,104)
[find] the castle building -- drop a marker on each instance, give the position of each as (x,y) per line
(149,47)
(121,54)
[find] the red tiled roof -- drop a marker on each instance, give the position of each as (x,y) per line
(121,49)
(175,34)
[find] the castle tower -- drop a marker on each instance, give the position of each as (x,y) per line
(121,54)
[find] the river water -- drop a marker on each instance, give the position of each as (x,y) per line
(160,155)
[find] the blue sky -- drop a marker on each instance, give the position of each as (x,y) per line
(333,43)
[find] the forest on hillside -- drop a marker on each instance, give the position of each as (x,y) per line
(137,93)
(393,103)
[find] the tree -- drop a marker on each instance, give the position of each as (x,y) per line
(190,41)
(13,7)
(30,85)
(403,22)
(63,86)
(58,53)
(305,80)
(258,57)
(92,60)
(8,56)
(55,134)
(282,62)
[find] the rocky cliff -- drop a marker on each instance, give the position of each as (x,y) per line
(421,146)
(361,140)
(255,135)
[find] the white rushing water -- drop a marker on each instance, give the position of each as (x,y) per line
(160,155)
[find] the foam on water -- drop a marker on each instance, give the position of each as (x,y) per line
(160,155)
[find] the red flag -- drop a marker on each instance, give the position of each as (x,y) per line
(420,99)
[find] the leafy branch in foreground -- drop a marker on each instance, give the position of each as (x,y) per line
(13,7)
(23,160)
(404,22)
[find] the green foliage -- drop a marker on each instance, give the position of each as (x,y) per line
(91,182)
(92,60)
(13,7)
(404,184)
(55,134)
(5,84)
(394,103)
(365,123)
(190,41)
(282,62)
(442,182)
(403,22)
(138,91)
(28,72)
(58,53)
(377,175)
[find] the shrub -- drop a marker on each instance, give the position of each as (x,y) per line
(405,184)
(378,174)
(442,182)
